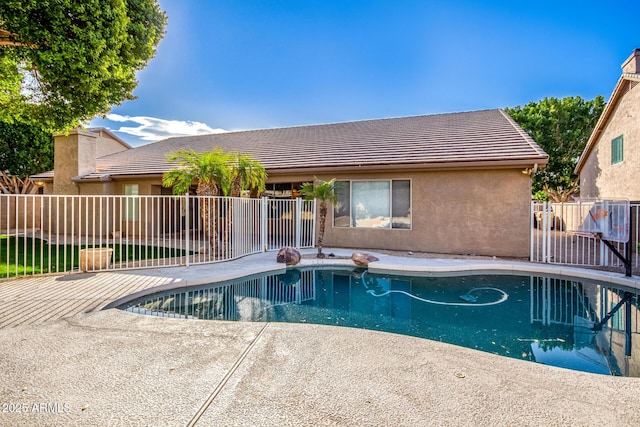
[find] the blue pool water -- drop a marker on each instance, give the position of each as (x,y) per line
(555,321)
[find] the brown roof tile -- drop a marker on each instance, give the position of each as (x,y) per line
(488,136)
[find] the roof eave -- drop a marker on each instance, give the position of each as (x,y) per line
(102,178)
(539,162)
(602,121)
(433,166)
(41,178)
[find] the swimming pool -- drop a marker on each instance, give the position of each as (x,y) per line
(569,323)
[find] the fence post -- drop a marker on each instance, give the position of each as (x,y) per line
(298,222)
(314,204)
(543,229)
(635,226)
(264,223)
(186,226)
(532,231)
(604,255)
(546,238)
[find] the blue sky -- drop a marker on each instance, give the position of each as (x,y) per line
(252,64)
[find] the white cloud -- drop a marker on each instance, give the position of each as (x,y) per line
(154,129)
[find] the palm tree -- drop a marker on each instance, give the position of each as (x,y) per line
(325,192)
(212,172)
(247,173)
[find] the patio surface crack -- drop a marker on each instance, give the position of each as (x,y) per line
(226,378)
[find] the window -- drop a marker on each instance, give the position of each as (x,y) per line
(130,204)
(373,204)
(289,190)
(617,150)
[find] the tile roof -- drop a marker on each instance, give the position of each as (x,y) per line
(489,137)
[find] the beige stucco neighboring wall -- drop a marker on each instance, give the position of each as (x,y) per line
(98,188)
(105,144)
(598,177)
(75,155)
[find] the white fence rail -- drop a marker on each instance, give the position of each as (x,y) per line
(56,234)
(554,241)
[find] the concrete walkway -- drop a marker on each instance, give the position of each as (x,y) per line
(34,300)
(67,361)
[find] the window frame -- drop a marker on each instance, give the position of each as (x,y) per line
(131,203)
(617,150)
(348,183)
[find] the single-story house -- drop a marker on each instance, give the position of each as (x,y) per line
(447,183)
(609,166)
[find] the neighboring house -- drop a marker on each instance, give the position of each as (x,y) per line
(609,166)
(446,183)
(77,154)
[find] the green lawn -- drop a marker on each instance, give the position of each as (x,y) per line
(35,256)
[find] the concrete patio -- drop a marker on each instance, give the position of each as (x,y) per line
(68,361)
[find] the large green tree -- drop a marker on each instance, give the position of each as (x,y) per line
(65,61)
(562,128)
(25,149)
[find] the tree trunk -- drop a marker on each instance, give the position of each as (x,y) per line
(236,191)
(208,213)
(236,187)
(323,220)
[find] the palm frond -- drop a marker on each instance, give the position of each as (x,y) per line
(325,191)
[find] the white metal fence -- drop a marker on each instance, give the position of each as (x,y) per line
(554,240)
(55,233)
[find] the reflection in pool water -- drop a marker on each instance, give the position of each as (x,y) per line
(562,322)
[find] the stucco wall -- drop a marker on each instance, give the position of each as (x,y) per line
(106,145)
(599,178)
(98,188)
(483,212)
(67,158)
(75,154)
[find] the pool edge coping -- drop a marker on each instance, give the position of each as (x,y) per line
(396,264)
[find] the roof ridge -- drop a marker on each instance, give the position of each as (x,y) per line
(523,133)
(317,125)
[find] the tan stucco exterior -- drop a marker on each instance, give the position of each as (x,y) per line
(598,177)
(75,155)
(481,211)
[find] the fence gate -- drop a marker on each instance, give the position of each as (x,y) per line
(554,241)
(56,234)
